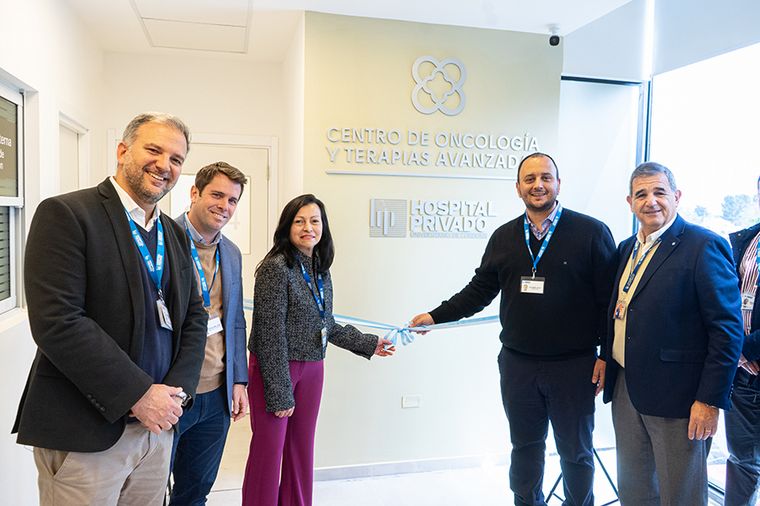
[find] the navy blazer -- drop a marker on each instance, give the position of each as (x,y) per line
(82,277)
(683,324)
(233,318)
(739,243)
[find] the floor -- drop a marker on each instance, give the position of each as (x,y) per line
(485,486)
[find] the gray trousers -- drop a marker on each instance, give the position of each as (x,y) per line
(657,463)
(133,472)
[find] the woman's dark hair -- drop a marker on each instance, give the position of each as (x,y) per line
(324,251)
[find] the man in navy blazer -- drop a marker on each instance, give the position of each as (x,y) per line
(673,345)
(743,421)
(221,393)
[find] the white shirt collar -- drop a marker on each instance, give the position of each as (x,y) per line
(651,238)
(135,211)
(197,237)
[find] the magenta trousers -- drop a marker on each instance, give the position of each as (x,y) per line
(280,467)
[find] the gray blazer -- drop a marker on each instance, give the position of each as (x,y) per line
(287,326)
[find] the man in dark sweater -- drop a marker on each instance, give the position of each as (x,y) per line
(554,269)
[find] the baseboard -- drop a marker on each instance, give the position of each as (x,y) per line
(417,466)
(408,466)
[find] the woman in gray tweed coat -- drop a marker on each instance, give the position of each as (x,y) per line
(292,324)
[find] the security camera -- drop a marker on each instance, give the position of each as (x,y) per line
(553,34)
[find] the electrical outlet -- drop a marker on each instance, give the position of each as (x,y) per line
(410,401)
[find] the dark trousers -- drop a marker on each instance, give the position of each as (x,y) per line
(198,446)
(743,437)
(534,393)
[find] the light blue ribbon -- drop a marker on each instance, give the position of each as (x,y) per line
(405,334)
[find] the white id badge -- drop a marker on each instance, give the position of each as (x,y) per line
(163,315)
(531,285)
(748,301)
(324,337)
(214,325)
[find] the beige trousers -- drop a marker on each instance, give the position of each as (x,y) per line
(133,472)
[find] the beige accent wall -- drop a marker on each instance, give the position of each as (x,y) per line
(358,74)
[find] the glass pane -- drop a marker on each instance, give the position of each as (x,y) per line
(8,148)
(704,128)
(5,253)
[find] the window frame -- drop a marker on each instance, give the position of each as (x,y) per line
(14,204)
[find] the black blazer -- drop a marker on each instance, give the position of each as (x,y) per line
(684,327)
(86,312)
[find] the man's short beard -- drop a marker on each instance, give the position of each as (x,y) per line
(548,206)
(136,183)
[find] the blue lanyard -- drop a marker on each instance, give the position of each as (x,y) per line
(319,294)
(156,270)
(544,244)
(636,267)
(205,288)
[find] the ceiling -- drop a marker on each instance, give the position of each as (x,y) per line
(261,30)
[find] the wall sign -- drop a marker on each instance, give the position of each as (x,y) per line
(466,219)
(8,148)
(448,98)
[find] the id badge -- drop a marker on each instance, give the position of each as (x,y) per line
(620,310)
(531,285)
(748,301)
(214,325)
(324,337)
(163,315)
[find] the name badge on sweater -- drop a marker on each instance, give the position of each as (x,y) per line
(163,315)
(530,284)
(214,325)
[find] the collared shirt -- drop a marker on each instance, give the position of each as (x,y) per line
(748,271)
(647,244)
(651,238)
(135,211)
(197,237)
(539,233)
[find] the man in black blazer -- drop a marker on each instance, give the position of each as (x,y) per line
(743,421)
(673,345)
(119,326)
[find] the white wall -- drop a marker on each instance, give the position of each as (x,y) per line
(211,94)
(610,47)
(48,53)
(687,31)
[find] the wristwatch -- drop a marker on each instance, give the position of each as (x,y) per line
(183,397)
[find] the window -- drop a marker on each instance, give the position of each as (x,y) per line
(704,128)
(11,190)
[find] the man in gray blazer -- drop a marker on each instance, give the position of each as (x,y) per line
(119,326)
(221,394)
